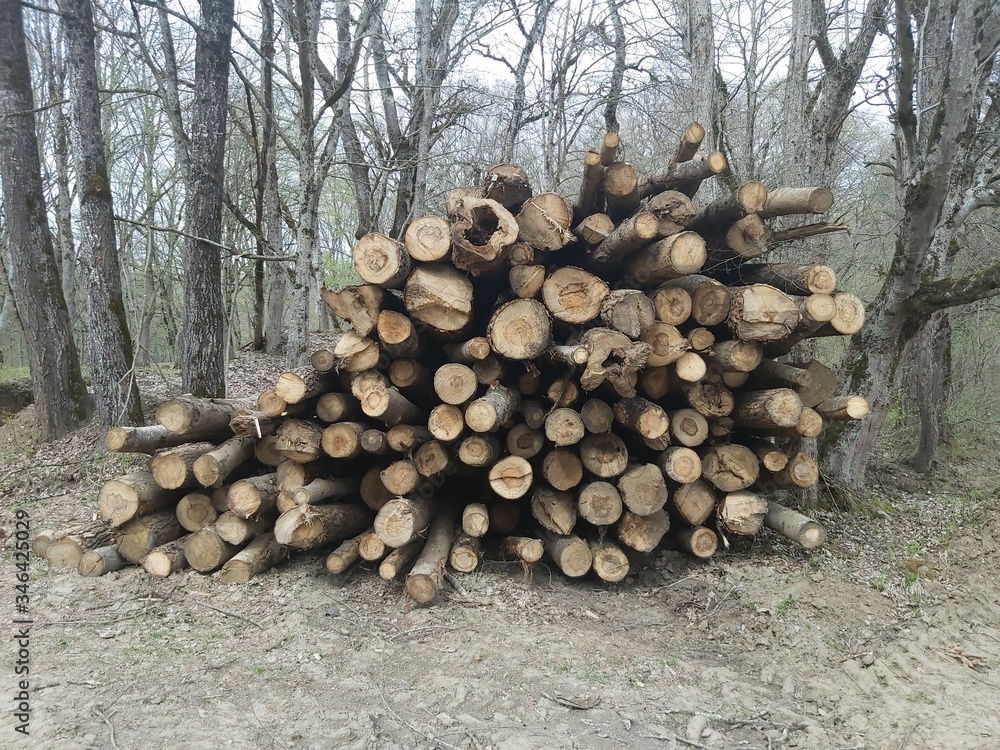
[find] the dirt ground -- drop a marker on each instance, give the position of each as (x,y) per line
(888,637)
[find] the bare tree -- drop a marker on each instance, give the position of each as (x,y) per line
(203,344)
(60,394)
(109,344)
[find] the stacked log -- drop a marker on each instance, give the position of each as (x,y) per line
(520,376)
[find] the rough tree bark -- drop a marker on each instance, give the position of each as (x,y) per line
(109,343)
(203,344)
(60,394)
(937,193)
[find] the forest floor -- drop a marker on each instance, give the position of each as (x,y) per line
(766,646)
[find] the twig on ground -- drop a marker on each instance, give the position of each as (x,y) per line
(99,712)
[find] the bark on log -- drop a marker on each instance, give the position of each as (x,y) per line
(349,352)
(693,501)
(212,468)
(673,211)
(814,382)
(98,562)
(64,548)
(570,553)
(586,202)
(496,407)
(635,232)
(599,503)
(737,355)
(795,526)
(610,563)
(642,416)
(398,559)
(384,402)
(685,176)
(689,143)
(670,258)
(791,278)
(320,490)
(628,311)
(152,438)
(140,535)
(186,415)
(642,533)
(730,468)
(263,553)
(511,477)
(508,185)
(609,148)
(130,496)
(412,378)
(358,305)
(342,558)
(844,407)
(523,548)
(428,239)
(464,555)
(469,352)
(749,198)
(309,526)
(427,575)
(803,200)
(439,296)
(544,222)
(375,442)
(776,407)
(302,383)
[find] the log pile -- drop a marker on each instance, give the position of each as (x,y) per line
(520,377)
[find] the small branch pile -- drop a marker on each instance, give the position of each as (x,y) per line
(523,377)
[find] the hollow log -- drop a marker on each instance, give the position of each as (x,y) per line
(481,232)
(614,358)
